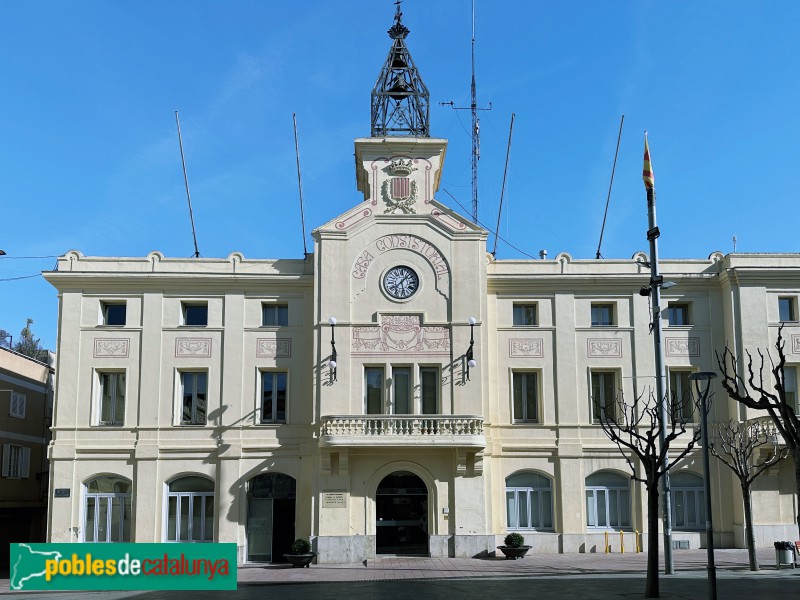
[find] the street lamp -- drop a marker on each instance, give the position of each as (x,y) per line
(469,354)
(707,376)
(332,361)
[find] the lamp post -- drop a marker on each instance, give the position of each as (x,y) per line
(332,361)
(707,376)
(469,355)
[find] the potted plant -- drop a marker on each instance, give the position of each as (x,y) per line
(514,546)
(301,555)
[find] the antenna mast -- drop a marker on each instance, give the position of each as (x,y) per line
(300,186)
(608,198)
(476,143)
(186,182)
(503,188)
(476,146)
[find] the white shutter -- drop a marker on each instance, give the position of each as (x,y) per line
(25,457)
(17,405)
(6,459)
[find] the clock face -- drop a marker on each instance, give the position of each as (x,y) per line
(400,282)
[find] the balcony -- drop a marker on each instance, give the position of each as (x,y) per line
(432,431)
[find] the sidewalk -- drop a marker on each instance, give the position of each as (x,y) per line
(409,568)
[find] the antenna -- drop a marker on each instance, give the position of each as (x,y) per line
(476,144)
(300,187)
(608,198)
(503,188)
(186,182)
(734,243)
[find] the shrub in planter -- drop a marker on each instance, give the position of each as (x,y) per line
(514,540)
(301,546)
(514,546)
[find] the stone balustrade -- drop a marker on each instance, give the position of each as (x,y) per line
(402,430)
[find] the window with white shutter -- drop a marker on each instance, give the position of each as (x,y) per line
(17,406)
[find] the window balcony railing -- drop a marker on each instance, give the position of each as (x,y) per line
(405,430)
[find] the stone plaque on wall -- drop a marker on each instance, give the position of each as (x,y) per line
(683,346)
(274,348)
(111,347)
(193,347)
(334,499)
(533,347)
(604,348)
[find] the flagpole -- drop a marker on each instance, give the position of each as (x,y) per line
(656,280)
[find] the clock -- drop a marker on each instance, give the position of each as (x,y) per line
(401,282)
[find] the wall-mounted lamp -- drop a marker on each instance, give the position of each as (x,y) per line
(332,361)
(471,364)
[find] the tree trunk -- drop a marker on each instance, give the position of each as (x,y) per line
(796,459)
(749,537)
(651,588)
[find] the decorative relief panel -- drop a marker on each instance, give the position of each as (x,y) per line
(193,347)
(112,347)
(683,346)
(610,348)
(274,348)
(353,218)
(796,344)
(533,347)
(448,220)
(400,333)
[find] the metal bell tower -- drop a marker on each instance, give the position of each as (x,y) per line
(400,100)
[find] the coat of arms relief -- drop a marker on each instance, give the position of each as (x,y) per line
(400,191)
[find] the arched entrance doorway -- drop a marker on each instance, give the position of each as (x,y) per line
(271,501)
(401,510)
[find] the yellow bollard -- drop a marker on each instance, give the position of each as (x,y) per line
(606,537)
(636,538)
(621,542)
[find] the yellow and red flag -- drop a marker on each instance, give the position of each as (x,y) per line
(647,170)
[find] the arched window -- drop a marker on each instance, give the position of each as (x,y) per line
(190,510)
(529,502)
(608,502)
(107,510)
(688,500)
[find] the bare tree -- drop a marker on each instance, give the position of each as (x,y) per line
(635,429)
(738,445)
(756,392)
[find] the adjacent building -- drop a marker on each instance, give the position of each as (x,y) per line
(399,391)
(26,402)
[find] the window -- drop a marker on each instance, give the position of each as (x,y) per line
(524,315)
(373,390)
(607,501)
(112,398)
(526,396)
(602,315)
(401,391)
(194,388)
(190,510)
(430,383)
(790,386)
(604,394)
(678,314)
(274,315)
(786,309)
(107,510)
(17,405)
(195,315)
(529,502)
(16,461)
(273,396)
(680,395)
(114,313)
(688,501)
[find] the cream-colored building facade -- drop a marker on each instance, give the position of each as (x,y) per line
(399,391)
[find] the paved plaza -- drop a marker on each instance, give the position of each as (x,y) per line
(543,576)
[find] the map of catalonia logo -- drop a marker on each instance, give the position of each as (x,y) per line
(123,567)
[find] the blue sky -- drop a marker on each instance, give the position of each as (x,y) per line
(89,157)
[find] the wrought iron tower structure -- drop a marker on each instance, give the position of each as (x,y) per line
(400,100)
